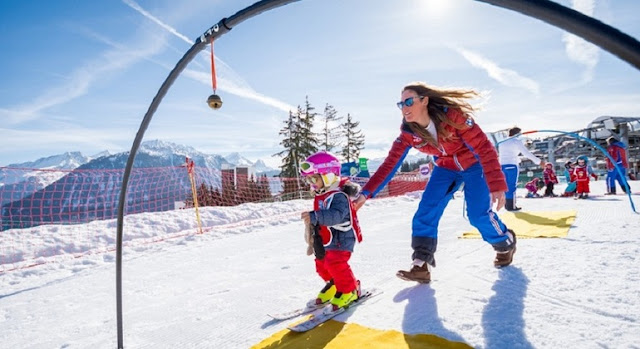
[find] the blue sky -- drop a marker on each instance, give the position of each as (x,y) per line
(80,75)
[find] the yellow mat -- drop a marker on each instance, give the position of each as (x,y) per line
(334,334)
(541,224)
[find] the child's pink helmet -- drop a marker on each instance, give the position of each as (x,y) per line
(324,164)
(321,162)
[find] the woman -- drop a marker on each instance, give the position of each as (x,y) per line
(438,122)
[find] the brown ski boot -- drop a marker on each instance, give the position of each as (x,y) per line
(419,272)
(504,255)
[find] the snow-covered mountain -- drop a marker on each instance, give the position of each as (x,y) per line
(238,160)
(64,161)
(153,153)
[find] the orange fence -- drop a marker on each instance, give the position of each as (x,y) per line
(34,197)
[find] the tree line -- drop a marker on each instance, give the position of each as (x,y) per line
(304,132)
(303,135)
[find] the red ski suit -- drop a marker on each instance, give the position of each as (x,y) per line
(581,176)
(334,213)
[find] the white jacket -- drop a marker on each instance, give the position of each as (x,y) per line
(511,149)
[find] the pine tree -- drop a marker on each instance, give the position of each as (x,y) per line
(308,138)
(330,135)
(299,142)
(299,139)
(354,140)
(290,143)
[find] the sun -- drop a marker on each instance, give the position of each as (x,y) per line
(437,8)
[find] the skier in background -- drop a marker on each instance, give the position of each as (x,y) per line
(570,190)
(581,174)
(510,151)
(532,188)
(334,226)
(616,150)
(550,179)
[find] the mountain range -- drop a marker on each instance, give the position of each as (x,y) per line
(157,153)
(154,153)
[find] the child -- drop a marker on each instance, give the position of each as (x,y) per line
(335,226)
(550,179)
(570,190)
(581,175)
(532,188)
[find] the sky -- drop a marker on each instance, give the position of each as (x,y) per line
(79,76)
(214,290)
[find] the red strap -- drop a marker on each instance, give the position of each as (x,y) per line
(213,69)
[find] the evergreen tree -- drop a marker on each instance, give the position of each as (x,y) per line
(330,136)
(299,139)
(308,139)
(354,140)
(290,143)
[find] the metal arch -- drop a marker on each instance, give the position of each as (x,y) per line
(607,37)
(622,45)
(604,152)
(213,33)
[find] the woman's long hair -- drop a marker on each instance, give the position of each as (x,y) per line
(439,101)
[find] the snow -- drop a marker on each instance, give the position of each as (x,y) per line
(213,290)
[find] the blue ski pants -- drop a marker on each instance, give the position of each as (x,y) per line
(612,177)
(511,175)
(440,189)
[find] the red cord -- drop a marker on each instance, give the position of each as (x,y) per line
(213,69)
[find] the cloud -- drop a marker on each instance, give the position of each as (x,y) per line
(504,76)
(228,79)
(579,50)
(79,81)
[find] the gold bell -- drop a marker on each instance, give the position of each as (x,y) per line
(214,101)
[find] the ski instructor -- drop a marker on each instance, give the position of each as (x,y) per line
(438,122)
(510,151)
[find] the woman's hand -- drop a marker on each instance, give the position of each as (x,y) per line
(360,200)
(498,197)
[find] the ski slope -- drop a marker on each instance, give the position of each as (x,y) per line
(214,290)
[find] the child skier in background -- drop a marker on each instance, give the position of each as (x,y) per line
(550,179)
(581,174)
(335,229)
(570,190)
(532,188)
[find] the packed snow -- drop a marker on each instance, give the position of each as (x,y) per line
(213,290)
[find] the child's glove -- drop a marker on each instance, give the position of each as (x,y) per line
(351,189)
(308,237)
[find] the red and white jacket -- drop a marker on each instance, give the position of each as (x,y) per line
(466,147)
(330,219)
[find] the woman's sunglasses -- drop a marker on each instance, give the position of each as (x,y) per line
(408,102)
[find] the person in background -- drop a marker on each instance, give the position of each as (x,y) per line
(616,150)
(570,190)
(532,188)
(550,180)
(335,229)
(580,175)
(438,122)
(510,151)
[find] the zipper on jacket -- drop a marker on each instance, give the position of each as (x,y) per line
(455,159)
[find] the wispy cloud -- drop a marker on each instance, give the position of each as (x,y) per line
(579,50)
(79,81)
(229,80)
(504,76)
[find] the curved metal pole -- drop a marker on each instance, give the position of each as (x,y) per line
(222,27)
(593,143)
(607,37)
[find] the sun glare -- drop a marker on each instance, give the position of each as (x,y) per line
(436,8)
